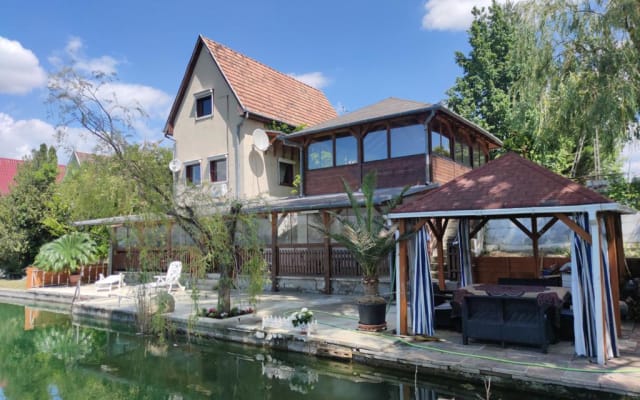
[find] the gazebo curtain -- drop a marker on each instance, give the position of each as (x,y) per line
(421,288)
(583,289)
(464,252)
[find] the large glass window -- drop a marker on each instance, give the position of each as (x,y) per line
(346,150)
(466,155)
(320,154)
(407,140)
(375,146)
(440,144)
(478,157)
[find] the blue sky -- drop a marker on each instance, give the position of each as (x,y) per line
(357,52)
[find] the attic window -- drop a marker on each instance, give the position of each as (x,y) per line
(204,104)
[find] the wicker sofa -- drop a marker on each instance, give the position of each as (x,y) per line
(506,319)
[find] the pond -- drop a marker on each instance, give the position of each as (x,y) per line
(44,356)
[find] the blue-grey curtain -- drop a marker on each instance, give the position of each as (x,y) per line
(609,312)
(584,297)
(421,289)
(464,252)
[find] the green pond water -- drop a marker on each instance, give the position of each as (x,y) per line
(44,356)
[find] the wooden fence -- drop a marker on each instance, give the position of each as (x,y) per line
(293,260)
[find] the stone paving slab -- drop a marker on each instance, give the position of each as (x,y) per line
(336,337)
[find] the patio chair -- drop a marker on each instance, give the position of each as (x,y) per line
(107,283)
(171,278)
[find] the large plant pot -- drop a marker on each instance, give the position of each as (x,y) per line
(372,314)
(74,279)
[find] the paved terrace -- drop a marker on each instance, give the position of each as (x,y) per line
(526,368)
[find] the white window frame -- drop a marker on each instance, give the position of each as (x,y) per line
(293,165)
(200,95)
(217,158)
(189,164)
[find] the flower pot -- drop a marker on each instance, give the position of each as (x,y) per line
(372,314)
(74,279)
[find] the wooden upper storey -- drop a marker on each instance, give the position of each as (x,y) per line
(405,142)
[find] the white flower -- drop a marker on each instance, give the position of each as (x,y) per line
(304,309)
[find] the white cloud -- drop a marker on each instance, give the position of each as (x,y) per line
(449,15)
(74,50)
(20,70)
(19,137)
(314,79)
(153,101)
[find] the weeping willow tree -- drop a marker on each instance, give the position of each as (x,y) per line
(220,232)
(556,80)
(578,98)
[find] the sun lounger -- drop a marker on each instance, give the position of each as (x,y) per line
(107,283)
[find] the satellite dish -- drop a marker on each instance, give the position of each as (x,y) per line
(175,165)
(260,139)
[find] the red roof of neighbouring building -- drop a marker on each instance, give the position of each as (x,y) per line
(507,182)
(8,170)
(260,89)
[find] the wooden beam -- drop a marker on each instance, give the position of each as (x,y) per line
(326,263)
(403,274)
(547,226)
(534,243)
(574,227)
(275,256)
(523,228)
(614,266)
(480,225)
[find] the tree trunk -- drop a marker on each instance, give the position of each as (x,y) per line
(370,286)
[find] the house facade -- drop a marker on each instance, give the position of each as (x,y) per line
(223,98)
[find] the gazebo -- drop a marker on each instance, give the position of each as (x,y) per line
(514,188)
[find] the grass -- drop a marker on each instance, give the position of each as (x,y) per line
(13,283)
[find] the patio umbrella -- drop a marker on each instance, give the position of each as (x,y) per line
(422,291)
(584,296)
(464,252)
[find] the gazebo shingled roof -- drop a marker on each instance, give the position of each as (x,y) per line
(509,182)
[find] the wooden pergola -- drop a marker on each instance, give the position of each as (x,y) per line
(514,188)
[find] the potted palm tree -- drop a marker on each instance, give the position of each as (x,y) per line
(68,253)
(370,240)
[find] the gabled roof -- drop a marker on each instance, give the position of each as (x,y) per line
(509,182)
(261,90)
(8,170)
(388,108)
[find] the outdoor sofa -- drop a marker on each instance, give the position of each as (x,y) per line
(506,320)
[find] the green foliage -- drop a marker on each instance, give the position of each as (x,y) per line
(366,236)
(624,192)
(557,81)
(24,211)
(67,253)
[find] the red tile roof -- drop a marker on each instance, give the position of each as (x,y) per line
(507,182)
(8,170)
(261,90)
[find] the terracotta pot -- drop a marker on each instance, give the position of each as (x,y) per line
(74,279)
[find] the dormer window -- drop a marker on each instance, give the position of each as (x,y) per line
(204,104)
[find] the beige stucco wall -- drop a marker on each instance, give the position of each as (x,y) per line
(198,140)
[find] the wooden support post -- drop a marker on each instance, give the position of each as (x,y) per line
(440,246)
(326,263)
(614,266)
(403,272)
(534,243)
(275,253)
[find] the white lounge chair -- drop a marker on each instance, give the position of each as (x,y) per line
(171,278)
(107,283)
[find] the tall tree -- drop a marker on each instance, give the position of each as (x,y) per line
(84,100)
(482,93)
(24,209)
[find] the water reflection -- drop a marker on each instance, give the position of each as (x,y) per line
(44,356)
